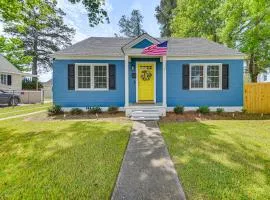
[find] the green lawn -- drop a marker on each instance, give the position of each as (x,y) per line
(19,110)
(60,159)
(221,159)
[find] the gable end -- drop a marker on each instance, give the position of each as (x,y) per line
(143,44)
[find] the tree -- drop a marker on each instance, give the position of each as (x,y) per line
(247,28)
(9,9)
(164,15)
(41,28)
(13,50)
(132,26)
(96,13)
(197,18)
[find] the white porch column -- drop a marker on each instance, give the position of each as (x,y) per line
(126,82)
(164,81)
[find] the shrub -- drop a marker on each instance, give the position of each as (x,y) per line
(203,109)
(94,110)
(76,111)
(31,84)
(113,109)
(244,110)
(178,109)
(220,110)
(55,110)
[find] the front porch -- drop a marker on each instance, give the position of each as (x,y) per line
(136,89)
(145,97)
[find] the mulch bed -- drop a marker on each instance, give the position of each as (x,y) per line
(90,116)
(194,116)
(115,117)
(170,117)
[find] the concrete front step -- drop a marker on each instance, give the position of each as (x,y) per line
(145,115)
(145,110)
(144,118)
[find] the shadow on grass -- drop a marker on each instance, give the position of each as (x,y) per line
(214,163)
(81,159)
(147,171)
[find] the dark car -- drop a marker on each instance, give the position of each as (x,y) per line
(9,98)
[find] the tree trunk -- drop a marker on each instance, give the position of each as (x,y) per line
(253,72)
(34,64)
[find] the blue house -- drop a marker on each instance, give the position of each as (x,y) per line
(107,72)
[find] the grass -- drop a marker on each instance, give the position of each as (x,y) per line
(19,110)
(60,159)
(221,159)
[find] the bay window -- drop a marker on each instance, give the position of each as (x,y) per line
(205,76)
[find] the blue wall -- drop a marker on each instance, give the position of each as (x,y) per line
(142,44)
(175,94)
(71,98)
(132,81)
(231,97)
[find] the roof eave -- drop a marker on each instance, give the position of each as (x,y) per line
(205,57)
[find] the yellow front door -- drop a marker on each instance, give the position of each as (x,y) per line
(146,80)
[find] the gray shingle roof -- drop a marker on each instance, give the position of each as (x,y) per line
(183,47)
(97,46)
(198,47)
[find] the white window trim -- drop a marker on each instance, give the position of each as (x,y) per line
(92,77)
(205,76)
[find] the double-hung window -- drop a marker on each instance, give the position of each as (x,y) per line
(205,76)
(4,80)
(91,76)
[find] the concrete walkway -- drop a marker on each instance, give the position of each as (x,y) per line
(22,115)
(147,170)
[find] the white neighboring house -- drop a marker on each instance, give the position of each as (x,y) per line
(264,77)
(10,77)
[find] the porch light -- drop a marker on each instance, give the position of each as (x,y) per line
(133,67)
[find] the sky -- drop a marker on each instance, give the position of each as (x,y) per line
(76,17)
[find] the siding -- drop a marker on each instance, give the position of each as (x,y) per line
(175,94)
(16,83)
(231,97)
(71,98)
(142,44)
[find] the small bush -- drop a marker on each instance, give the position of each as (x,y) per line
(94,110)
(178,109)
(76,111)
(220,110)
(55,110)
(31,85)
(244,110)
(113,109)
(203,110)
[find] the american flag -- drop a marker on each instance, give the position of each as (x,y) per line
(156,49)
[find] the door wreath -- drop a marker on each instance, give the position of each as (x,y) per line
(146,75)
